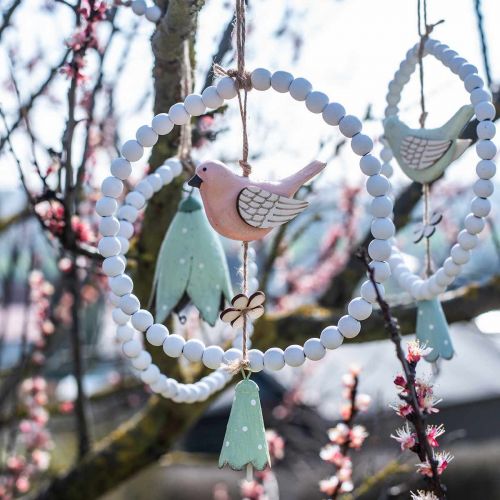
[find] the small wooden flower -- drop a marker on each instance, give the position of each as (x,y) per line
(427,230)
(242,307)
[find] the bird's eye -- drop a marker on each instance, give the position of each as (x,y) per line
(204,169)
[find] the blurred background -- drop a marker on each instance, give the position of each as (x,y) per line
(77,78)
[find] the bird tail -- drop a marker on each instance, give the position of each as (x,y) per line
(457,122)
(302,176)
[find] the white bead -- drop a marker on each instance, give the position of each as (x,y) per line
(439,50)
(146,136)
(175,165)
(173,345)
(111,186)
(178,114)
(138,7)
(484,111)
(160,385)
(381,271)
(212,357)
(349,126)
(377,185)
(486,129)
(132,151)
(145,188)
(415,288)
(113,266)
(391,111)
(348,326)
(155,180)
(314,349)
(457,64)
(182,394)
(316,101)
(114,299)
(120,285)
(442,279)
(331,338)
(486,169)
(480,207)
(162,124)
(359,309)
(261,79)
(135,199)
(173,387)
(124,245)
(142,361)
(430,46)
(472,82)
(129,303)
(386,154)
(274,358)
(232,355)
(446,55)
(226,87)
(153,13)
(459,255)
(132,348)
(109,226)
(156,334)
(479,95)
(392,99)
(466,240)
(383,228)
(124,333)
(333,113)
(166,174)
(211,98)
(294,355)
(395,88)
(195,105)
(119,317)
(483,188)
(281,81)
(401,77)
(121,168)
(369,164)
(150,375)
(106,206)
(128,213)
(473,224)
(256,359)
(486,149)
(367,291)
(142,320)
(193,350)
(434,287)
(381,206)
(379,249)
(300,88)
(109,246)
(361,144)
(451,268)
(466,70)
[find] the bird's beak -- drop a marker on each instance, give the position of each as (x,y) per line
(195,181)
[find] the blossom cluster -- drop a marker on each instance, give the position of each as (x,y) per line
(345,436)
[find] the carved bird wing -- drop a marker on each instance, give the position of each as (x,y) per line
(419,153)
(260,208)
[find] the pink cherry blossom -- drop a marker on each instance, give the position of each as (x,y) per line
(433,432)
(442,459)
(416,351)
(357,436)
(423,495)
(329,486)
(405,437)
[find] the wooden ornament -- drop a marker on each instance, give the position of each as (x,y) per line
(242,306)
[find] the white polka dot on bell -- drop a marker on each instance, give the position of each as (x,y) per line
(253,402)
(227,444)
(244,428)
(259,447)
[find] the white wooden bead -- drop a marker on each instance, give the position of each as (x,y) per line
(175,165)
(113,266)
(359,309)
(132,348)
(349,126)
(212,357)
(294,355)
(142,320)
(314,349)
(361,144)
(211,98)
(367,291)
(484,111)
(434,287)
(109,226)
(146,136)
(382,228)
(256,359)
(443,279)
(381,271)
(112,187)
(153,13)
(124,244)
(473,224)
(486,129)
(333,113)
(387,170)
(119,317)
(369,164)
(109,246)
(457,64)
(114,299)
(129,304)
(300,88)
(106,206)
(415,288)
(226,87)
(381,206)
(120,285)
(401,77)
(281,81)
(128,213)
(160,385)
(480,207)
(483,188)
(379,249)
(479,95)
(150,375)
(138,7)
(451,268)
(446,55)
(486,149)
(466,240)
(156,334)
(348,326)
(486,169)
(391,111)
(430,46)
(439,49)
(182,395)
(173,386)
(459,255)
(121,168)
(466,70)
(395,88)
(192,393)
(162,124)
(316,101)
(232,355)
(155,180)
(377,185)
(331,338)
(195,105)
(178,114)
(173,345)
(142,361)
(124,333)
(386,154)
(261,79)
(193,350)
(166,174)
(135,199)
(472,82)
(392,99)
(132,150)
(145,188)
(274,358)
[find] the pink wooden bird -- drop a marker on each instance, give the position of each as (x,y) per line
(244,210)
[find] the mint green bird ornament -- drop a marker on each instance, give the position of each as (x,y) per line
(191,266)
(245,440)
(424,154)
(432,330)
